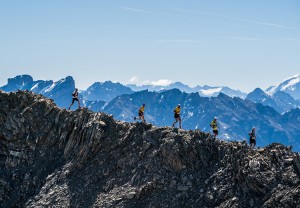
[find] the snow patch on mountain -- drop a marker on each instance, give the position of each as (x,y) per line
(211,92)
(287,84)
(291,84)
(49,88)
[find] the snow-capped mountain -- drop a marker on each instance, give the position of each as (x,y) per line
(60,91)
(21,82)
(156,88)
(208,91)
(290,86)
(25,82)
(280,101)
(205,91)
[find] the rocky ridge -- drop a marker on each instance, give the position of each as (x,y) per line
(51,157)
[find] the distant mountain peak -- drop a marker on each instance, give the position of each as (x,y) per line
(105,91)
(222,95)
(258,91)
(67,79)
(280,100)
(290,85)
(21,79)
(18,82)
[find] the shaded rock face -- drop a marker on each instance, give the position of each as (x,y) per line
(61,91)
(51,157)
(19,82)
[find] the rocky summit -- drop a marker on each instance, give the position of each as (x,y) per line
(51,157)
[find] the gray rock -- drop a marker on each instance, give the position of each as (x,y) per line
(57,158)
(131,195)
(251,202)
(182,188)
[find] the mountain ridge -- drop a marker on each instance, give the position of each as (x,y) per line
(236,116)
(107,90)
(54,157)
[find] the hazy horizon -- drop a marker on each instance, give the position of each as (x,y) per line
(161,82)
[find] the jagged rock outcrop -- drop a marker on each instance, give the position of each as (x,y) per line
(51,157)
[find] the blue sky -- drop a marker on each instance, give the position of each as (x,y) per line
(241,44)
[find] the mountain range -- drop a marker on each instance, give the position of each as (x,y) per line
(100,92)
(205,91)
(273,113)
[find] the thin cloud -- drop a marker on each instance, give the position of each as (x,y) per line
(176,41)
(143,11)
(234,25)
(106,26)
(244,38)
(199,12)
(268,24)
(149,30)
(137,10)
(291,39)
(182,10)
(57,41)
(212,14)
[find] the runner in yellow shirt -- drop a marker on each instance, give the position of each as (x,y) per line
(141,113)
(177,116)
(215,127)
